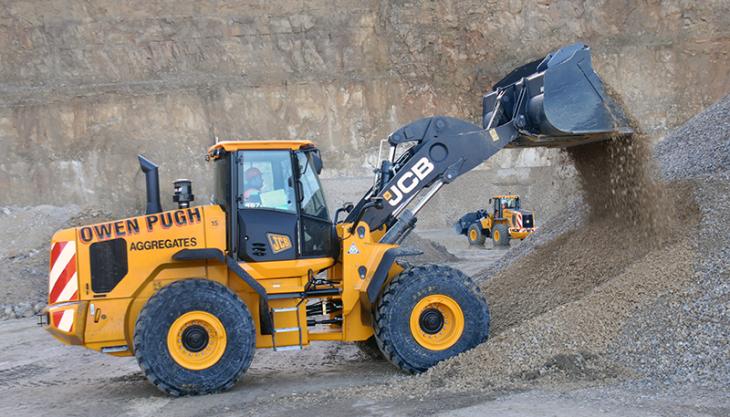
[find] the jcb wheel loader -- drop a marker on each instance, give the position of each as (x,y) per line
(506,221)
(191,292)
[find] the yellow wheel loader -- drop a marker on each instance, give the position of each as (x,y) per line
(192,292)
(506,221)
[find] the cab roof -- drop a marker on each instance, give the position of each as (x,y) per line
(240,145)
(506,196)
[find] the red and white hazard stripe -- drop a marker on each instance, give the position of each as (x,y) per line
(518,220)
(63,319)
(62,283)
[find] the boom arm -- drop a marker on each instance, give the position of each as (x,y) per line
(444,149)
(555,101)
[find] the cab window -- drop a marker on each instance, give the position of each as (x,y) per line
(316,228)
(511,203)
(265,181)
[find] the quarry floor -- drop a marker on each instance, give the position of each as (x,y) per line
(39,377)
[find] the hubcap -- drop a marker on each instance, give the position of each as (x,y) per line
(431,321)
(437,322)
(196,340)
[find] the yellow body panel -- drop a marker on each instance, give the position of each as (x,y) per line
(285,276)
(107,320)
(359,249)
(105,323)
(486,222)
(520,233)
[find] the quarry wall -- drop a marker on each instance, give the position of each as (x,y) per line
(85,86)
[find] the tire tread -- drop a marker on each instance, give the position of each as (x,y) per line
(389,297)
(146,319)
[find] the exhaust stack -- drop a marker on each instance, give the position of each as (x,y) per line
(152,180)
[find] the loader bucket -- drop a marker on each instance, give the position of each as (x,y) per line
(556,101)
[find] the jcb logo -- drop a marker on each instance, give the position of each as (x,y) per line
(279,242)
(408,181)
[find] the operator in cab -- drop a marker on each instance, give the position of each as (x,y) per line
(252,185)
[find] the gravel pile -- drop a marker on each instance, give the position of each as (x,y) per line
(700,148)
(25,256)
(685,338)
(433,252)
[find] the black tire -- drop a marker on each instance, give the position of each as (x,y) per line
(159,314)
(475,235)
(501,235)
(370,349)
(393,311)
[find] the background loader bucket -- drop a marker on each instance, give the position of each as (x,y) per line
(555,101)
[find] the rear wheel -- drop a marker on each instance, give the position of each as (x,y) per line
(427,314)
(475,234)
(194,337)
(500,235)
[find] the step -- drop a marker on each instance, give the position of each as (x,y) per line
(284,309)
(286,329)
(285,348)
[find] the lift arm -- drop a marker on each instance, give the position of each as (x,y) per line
(444,148)
(555,101)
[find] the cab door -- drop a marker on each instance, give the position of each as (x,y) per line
(317,234)
(266,206)
(497,208)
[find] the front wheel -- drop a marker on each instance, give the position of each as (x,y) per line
(500,235)
(194,337)
(475,235)
(427,314)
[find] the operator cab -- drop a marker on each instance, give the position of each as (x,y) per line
(273,199)
(505,202)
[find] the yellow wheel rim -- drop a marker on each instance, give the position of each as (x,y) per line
(196,340)
(496,235)
(437,322)
(473,234)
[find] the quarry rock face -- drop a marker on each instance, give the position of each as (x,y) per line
(86,86)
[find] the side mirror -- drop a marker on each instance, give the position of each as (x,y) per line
(300,190)
(317,161)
